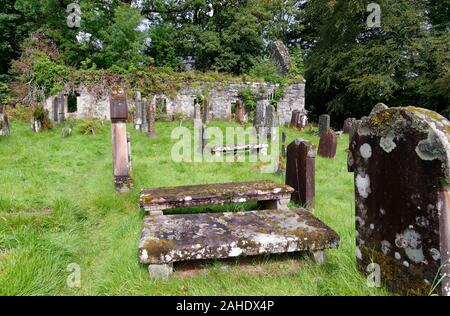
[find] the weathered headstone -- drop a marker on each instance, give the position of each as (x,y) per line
(271,121)
(130,163)
(324,123)
(151,118)
(138,111)
(206,111)
(348,125)
(303,119)
(328,144)
(283,144)
(379,107)
(295,118)
(120,149)
(260,116)
(239,112)
(144,125)
(4,123)
(197,110)
(401,163)
(300,172)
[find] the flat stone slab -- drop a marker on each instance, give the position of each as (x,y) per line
(171,238)
(239,148)
(159,199)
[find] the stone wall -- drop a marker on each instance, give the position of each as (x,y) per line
(221,98)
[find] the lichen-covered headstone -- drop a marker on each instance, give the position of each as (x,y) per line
(300,172)
(328,144)
(401,161)
(324,123)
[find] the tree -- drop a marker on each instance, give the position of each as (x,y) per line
(352,67)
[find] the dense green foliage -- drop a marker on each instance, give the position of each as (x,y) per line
(348,65)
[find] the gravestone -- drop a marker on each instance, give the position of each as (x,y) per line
(206,110)
(300,172)
(239,112)
(130,165)
(4,123)
(283,144)
(348,125)
(401,163)
(295,118)
(120,148)
(138,112)
(260,116)
(271,122)
(197,110)
(328,144)
(151,118)
(303,119)
(324,123)
(144,125)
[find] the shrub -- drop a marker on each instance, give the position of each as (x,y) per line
(41,115)
(91,127)
(249,99)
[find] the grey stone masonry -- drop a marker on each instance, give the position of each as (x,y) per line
(221,97)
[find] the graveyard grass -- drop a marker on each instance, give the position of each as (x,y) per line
(58,206)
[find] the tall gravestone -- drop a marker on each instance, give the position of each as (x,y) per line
(144,125)
(197,110)
(4,124)
(239,112)
(206,110)
(138,112)
(401,161)
(120,147)
(259,120)
(295,118)
(300,172)
(271,121)
(324,123)
(152,118)
(328,144)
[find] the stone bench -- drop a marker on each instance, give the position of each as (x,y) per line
(166,239)
(270,195)
(233,149)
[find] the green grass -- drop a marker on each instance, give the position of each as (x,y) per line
(99,230)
